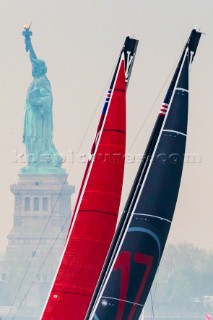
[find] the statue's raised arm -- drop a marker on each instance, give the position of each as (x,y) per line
(28,44)
(38,124)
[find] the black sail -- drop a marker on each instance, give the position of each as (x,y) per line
(140,238)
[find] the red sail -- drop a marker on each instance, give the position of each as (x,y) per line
(96,214)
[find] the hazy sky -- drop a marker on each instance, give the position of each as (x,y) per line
(80,42)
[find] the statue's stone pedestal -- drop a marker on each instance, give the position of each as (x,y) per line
(42,215)
(42,212)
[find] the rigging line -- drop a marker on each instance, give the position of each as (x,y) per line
(101,240)
(145,121)
(152,298)
(153,105)
(152,305)
(93,114)
(103,236)
(112,183)
(155,289)
(65,180)
(41,265)
(36,248)
(156,284)
(86,176)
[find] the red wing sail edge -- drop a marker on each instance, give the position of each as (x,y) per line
(96,210)
(140,238)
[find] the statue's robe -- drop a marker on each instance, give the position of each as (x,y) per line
(38,123)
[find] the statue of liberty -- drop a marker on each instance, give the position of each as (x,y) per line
(38,122)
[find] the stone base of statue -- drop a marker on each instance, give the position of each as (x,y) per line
(42,212)
(42,215)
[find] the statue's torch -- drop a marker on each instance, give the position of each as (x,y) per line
(27,34)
